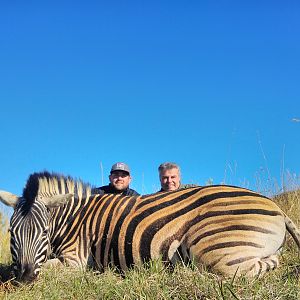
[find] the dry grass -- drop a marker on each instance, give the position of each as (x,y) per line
(289,202)
(4,239)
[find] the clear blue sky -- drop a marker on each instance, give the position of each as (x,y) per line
(211,85)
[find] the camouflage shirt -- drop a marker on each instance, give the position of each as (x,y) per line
(183,186)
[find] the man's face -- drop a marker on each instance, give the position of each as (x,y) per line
(120,180)
(170,179)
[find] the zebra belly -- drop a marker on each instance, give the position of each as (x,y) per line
(236,244)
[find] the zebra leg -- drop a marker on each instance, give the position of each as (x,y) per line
(64,261)
(247,266)
(54,262)
(263,265)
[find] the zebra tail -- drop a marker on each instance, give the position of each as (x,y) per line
(292,229)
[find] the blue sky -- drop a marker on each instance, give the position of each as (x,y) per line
(211,85)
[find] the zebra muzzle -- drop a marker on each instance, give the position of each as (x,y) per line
(27,273)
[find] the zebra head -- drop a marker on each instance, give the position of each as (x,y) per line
(29,228)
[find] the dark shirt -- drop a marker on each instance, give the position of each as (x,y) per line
(109,189)
(182,186)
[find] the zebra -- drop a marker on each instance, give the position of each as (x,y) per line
(230,230)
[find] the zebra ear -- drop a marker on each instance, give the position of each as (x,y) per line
(56,200)
(9,199)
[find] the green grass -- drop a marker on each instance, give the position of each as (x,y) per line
(154,281)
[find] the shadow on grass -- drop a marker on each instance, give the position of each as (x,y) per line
(293,272)
(6,273)
(7,277)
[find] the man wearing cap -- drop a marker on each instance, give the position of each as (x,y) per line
(119,180)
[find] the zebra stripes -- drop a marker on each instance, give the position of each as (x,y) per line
(228,229)
(28,237)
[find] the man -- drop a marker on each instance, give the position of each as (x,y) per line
(169,176)
(119,180)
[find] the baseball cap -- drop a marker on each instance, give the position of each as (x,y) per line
(120,166)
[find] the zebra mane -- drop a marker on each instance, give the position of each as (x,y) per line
(48,184)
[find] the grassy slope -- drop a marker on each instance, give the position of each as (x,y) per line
(155,282)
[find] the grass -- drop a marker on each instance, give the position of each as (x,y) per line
(154,281)
(4,239)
